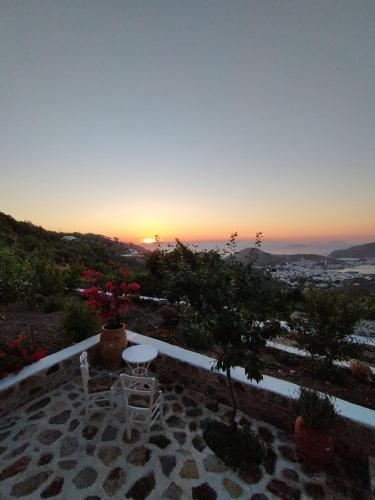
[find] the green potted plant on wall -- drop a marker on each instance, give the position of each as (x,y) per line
(111,297)
(316,418)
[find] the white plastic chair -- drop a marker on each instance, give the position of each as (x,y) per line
(143,403)
(97,391)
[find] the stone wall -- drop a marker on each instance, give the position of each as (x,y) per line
(209,386)
(37,385)
(353,438)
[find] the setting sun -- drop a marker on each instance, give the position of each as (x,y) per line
(148,241)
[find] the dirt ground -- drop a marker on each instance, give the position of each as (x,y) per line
(45,329)
(296,369)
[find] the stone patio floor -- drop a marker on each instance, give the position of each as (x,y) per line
(48,449)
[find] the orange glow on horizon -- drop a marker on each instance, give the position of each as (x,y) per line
(202,237)
(198,223)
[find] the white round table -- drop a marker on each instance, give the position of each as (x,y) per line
(138,358)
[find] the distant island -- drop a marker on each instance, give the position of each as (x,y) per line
(366,251)
(268,259)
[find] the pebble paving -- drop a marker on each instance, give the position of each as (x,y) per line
(48,449)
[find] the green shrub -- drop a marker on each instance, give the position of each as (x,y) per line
(136,320)
(72,277)
(193,332)
(329,373)
(237,448)
(317,410)
(194,339)
(15,277)
(80,320)
(47,278)
(366,306)
(52,304)
(327,333)
(169,314)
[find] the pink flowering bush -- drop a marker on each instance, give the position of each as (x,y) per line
(110,296)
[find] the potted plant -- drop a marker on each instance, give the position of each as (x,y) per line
(313,427)
(111,298)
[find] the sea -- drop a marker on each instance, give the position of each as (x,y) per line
(361,269)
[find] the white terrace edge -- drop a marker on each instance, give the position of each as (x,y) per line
(48,362)
(284,388)
(298,352)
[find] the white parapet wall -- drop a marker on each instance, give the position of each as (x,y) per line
(356,413)
(45,363)
(298,352)
(281,387)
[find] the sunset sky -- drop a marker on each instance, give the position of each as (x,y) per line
(190,118)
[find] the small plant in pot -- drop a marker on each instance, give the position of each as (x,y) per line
(313,428)
(111,297)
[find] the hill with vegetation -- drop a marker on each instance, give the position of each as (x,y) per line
(90,249)
(366,251)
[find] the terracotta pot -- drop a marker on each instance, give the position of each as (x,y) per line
(112,344)
(360,370)
(315,448)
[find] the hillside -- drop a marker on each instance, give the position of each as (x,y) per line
(26,238)
(268,259)
(366,251)
(262,258)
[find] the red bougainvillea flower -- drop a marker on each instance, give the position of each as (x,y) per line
(111,287)
(123,308)
(39,355)
(17,353)
(91,276)
(110,298)
(134,287)
(15,343)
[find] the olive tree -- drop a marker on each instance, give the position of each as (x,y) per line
(221,294)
